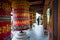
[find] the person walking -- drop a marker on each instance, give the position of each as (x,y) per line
(38,20)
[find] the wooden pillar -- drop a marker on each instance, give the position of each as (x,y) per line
(44,15)
(58,19)
(50,27)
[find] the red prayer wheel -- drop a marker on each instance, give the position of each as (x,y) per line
(5,21)
(20,12)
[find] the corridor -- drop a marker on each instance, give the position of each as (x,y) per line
(29,19)
(36,33)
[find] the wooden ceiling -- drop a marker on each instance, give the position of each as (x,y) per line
(37,4)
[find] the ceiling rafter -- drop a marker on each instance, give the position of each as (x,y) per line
(35,3)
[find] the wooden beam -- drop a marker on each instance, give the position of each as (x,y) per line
(39,9)
(36,2)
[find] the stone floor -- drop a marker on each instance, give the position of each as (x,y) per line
(36,33)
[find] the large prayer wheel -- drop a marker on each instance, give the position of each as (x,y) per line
(5,21)
(20,12)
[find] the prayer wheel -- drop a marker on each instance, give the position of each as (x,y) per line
(5,21)
(32,17)
(20,13)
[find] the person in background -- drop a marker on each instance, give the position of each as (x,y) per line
(38,19)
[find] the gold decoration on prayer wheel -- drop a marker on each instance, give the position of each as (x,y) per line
(6,7)
(20,4)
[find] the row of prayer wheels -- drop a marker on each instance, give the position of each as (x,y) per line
(32,17)
(22,18)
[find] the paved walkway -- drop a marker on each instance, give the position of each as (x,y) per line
(36,33)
